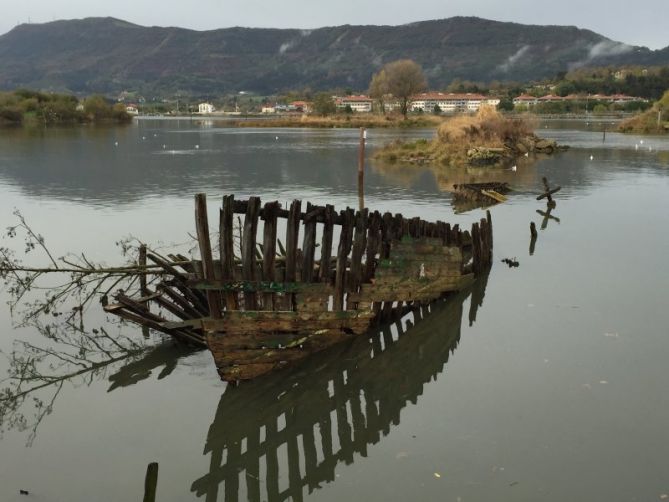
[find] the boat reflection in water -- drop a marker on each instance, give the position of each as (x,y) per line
(336,404)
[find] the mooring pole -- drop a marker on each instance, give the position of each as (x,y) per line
(361,169)
(533,237)
(151,482)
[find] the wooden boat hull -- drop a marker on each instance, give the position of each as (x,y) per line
(271,306)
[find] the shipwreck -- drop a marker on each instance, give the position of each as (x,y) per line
(263,303)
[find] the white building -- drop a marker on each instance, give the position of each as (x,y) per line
(205,108)
(357,103)
(525,100)
(449,102)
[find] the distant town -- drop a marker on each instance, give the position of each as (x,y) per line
(429,102)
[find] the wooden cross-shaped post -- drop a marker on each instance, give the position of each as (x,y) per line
(548,192)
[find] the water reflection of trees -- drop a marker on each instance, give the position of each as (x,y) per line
(329,409)
(525,178)
(36,373)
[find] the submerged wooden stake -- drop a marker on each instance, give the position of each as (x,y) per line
(533,237)
(151,482)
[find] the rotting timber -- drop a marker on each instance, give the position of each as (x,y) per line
(273,304)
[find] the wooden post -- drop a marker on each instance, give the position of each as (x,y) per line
(202,227)
(269,249)
(359,245)
(226,244)
(151,482)
(325,271)
(249,249)
(142,264)
(533,237)
(343,250)
(144,291)
(361,169)
(309,244)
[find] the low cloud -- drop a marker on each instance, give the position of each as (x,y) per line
(603,49)
(513,59)
(285,46)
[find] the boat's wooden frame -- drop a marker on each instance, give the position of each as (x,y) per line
(271,304)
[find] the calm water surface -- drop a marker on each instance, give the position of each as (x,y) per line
(544,382)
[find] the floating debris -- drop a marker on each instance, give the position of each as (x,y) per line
(511,262)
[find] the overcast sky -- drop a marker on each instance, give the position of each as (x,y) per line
(638,23)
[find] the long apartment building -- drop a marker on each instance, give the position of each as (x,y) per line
(447,102)
(451,102)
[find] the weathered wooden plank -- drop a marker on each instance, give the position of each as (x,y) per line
(226,245)
(342,255)
(316,301)
(249,322)
(249,249)
(232,373)
(309,243)
(373,244)
(228,341)
(202,227)
(142,263)
(135,313)
(359,244)
(259,286)
(386,234)
(408,289)
(269,250)
(178,299)
(292,235)
(325,271)
(197,298)
(489,219)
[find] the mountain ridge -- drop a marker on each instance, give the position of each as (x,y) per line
(109,55)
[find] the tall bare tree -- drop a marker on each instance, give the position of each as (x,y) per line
(405,78)
(378,89)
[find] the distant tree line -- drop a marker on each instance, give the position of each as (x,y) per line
(25,106)
(644,83)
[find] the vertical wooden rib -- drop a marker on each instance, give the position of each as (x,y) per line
(309,244)
(142,264)
(249,249)
(386,234)
(269,249)
(373,241)
(292,235)
(226,243)
(325,272)
(359,244)
(343,250)
(202,228)
(489,220)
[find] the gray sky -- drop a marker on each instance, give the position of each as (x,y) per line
(638,23)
